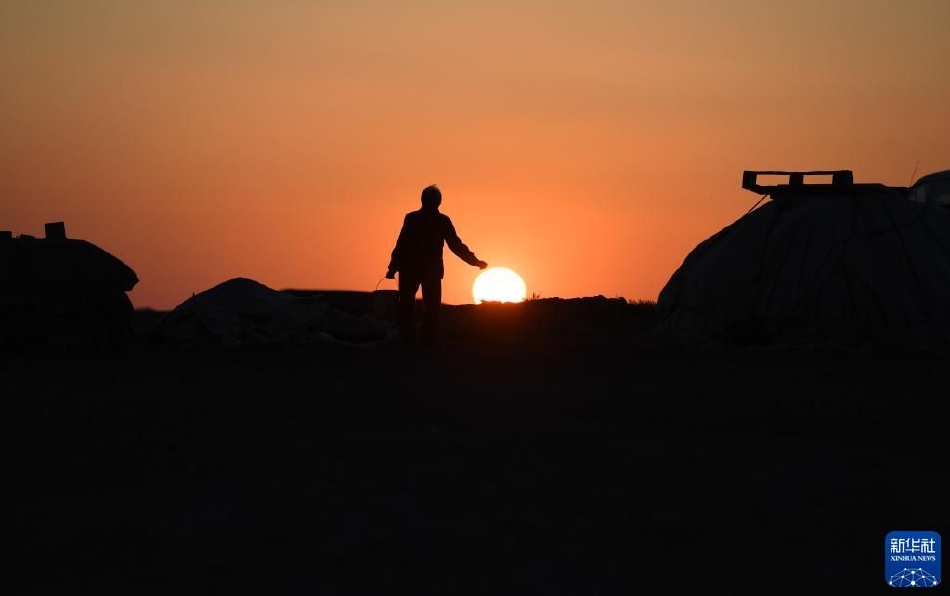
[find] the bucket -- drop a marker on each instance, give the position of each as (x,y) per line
(385,302)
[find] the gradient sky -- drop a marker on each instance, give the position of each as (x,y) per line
(588,145)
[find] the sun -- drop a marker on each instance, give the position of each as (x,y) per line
(499,284)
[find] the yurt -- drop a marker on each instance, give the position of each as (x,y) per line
(855,265)
(59,291)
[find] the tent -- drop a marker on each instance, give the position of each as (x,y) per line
(243,312)
(59,291)
(857,265)
(934,188)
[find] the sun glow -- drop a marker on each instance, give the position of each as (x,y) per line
(499,284)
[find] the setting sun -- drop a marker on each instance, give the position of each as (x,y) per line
(499,284)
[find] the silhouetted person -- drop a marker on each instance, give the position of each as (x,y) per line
(418,259)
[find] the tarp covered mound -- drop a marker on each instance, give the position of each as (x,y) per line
(243,312)
(865,270)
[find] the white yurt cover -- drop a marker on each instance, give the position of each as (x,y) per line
(860,269)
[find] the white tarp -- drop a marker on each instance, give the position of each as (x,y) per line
(242,312)
(871,269)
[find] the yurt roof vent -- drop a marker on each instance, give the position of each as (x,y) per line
(842,183)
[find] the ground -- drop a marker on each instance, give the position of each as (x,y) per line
(480,467)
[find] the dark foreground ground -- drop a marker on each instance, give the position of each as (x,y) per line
(481,468)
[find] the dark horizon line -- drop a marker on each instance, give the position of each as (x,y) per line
(313,291)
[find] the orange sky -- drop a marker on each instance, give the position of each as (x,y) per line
(588,145)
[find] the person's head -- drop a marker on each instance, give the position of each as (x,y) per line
(431,197)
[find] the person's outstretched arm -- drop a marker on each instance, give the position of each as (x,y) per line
(458,247)
(395,262)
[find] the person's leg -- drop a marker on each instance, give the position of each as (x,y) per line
(408,286)
(432,298)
